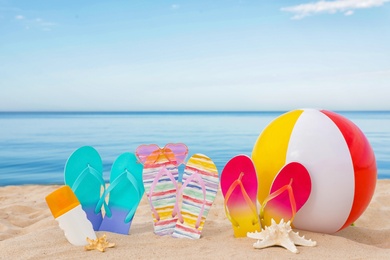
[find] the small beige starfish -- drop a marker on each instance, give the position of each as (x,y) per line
(99,244)
(280,234)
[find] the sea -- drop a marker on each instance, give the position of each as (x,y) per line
(34,146)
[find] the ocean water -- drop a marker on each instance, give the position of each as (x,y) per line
(34,147)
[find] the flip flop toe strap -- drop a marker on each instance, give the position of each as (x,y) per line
(248,200)
(90,170)
(124,175)
(194,177)
(161,172)
(276,193)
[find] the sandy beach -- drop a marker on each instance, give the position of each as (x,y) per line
(29,231)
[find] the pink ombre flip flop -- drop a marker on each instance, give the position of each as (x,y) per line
(290,190)
(239,188)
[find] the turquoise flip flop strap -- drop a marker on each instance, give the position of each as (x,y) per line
(124,175)
(84,173)
(90,170)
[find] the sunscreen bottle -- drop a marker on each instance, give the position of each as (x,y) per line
(66,209)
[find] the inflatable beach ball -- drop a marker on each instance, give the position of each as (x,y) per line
(338,157)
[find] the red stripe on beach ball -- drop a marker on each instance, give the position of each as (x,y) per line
(364,164)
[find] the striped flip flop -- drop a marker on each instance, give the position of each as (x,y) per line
(160,175)
(199,189)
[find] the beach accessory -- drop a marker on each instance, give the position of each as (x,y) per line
(289,192)
(99,244)
(239,188)
(200,186)
(125,192)
(84,174)
(174,152)
(280,235)
(160,175)
(66,209)
(338,155)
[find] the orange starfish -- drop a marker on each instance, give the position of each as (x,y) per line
(99,244)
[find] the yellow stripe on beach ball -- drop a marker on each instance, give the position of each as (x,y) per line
(271,157)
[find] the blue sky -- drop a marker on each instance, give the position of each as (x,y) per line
(194,55)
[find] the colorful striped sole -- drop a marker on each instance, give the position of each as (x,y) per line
(193,196)
(163,196)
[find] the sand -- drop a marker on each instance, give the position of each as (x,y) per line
(29,231)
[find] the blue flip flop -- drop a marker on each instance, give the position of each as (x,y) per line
(126,190)
(84,174)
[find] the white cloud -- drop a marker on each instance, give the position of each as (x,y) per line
(175,6)
(348,13)
(345,6)
(37,23)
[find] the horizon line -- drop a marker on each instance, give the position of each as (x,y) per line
(183,111)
